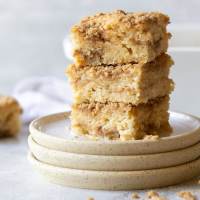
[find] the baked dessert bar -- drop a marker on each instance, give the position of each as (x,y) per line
(119,37)
(119,120)
(128,83)
(10,112)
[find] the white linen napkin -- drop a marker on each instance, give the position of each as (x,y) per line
(40,96)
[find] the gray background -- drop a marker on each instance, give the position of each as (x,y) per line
(32,33)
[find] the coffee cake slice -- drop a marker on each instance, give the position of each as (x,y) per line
(121,121)
(119,37)
(129,83)
(10,112)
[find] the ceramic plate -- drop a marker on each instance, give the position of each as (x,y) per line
(53,132)
(112,180)
(113,163)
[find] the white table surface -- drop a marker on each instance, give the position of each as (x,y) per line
(19,181)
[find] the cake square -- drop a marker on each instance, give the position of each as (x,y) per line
(119,120)
(10,112)
(119,37)
(128,83)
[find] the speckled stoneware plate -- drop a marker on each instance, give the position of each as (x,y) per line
(53,132)
(113,163)
(117,180)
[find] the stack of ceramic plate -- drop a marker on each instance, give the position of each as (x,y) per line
(115,165)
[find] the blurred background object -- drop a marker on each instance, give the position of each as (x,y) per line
(32,33)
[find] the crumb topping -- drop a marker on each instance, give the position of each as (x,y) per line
(97,27)
(130,19)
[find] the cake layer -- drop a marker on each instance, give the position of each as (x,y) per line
(119,37)
(10,112)
(119,120)
(130,83)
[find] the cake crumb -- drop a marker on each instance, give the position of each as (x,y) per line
(151,137)
(186,195)
(135,196)
(90,198)
(153,195)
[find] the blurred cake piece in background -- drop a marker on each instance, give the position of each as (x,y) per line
(10,111)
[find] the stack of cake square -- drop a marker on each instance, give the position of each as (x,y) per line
(120,77)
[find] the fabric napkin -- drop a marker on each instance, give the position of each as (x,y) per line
(40,96)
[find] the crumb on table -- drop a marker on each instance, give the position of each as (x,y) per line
(153,195)
(134,195)
(90,198)
(151,137)
(186,195)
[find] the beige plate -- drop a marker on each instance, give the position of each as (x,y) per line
(113,163)
(53,132)
(123,180)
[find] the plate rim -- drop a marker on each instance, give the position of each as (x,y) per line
(106,162)
(168,143)
(112,180)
